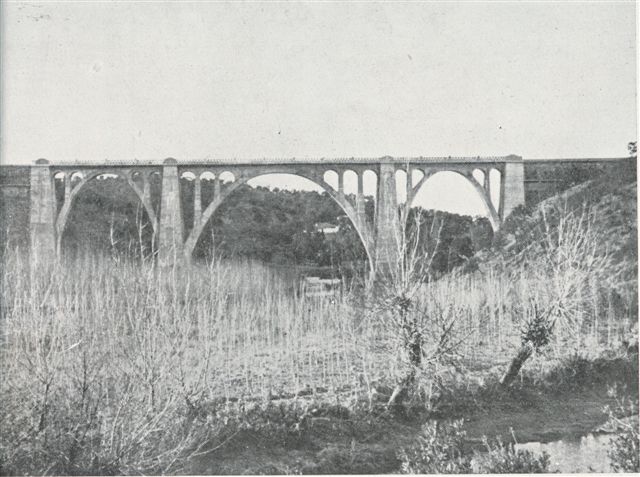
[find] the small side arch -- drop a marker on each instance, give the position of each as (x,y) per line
(70,196)
(482,193)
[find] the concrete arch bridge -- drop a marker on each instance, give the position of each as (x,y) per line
(49,217)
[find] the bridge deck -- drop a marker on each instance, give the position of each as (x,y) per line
(240,161)
(294,161)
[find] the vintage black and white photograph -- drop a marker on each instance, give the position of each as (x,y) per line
(318,237)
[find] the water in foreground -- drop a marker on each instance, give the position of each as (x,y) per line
(588,453)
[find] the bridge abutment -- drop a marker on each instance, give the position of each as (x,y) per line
(512,186)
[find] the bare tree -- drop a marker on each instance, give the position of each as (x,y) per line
(569,255)
(423,329)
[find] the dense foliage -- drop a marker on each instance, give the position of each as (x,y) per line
(280,226)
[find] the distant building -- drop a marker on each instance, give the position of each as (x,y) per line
(327,228)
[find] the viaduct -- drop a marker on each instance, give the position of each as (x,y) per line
(519,182)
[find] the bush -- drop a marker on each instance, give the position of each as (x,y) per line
(281,423)
(506,459)
(625,451)
(440,450)
(625,447)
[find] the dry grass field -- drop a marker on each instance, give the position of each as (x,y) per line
(113,366)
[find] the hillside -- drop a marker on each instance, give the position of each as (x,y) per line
(607,205)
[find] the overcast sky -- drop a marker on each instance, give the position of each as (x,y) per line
(150,80)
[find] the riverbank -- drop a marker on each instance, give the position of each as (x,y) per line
(337,440)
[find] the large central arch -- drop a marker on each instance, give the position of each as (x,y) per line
(361,227)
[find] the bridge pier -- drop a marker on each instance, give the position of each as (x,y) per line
(42,212)
(387,227)
(171,240)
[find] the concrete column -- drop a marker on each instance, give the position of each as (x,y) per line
(340,182)
(408,183)
(42,212)
(387,221)
(197,201)
(67,188)
(360,199)
(146,187)
(146,201)
(216,188)
(511,186)
(171,228)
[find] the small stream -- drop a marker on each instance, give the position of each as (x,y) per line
(583,454)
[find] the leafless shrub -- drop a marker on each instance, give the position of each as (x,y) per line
(426,331)
(565,272)
(94,385)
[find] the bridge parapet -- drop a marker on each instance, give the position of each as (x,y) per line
(297,160)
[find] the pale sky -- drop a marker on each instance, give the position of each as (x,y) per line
(149,80)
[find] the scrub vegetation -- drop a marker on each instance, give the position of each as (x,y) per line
(112,365)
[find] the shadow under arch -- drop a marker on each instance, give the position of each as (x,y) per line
(72,191)
(479,188)
(362,229)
